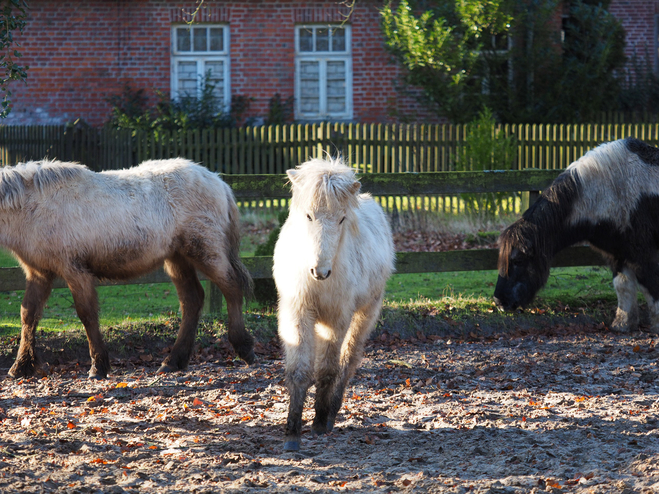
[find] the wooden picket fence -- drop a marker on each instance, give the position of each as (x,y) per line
(262,187)
(372,148)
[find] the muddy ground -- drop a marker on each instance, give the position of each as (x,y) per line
(555,405)
(573,409)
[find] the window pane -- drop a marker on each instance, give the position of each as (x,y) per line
(187,78)
(306,39)
(215,72)
(336,87)
(322,39)
(182,39)
(338,39)
(199,39)
(309,87)
(217,39)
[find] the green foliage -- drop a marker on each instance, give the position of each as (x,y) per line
(265,291)
(13,17)
(131,110)
(440,49)
(268,248)
(640,86)
(280,111)
(458,54)
(485,148)
(586,81)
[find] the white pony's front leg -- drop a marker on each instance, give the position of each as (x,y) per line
(627,312)
(296,332)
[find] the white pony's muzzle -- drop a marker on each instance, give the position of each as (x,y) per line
(320,273)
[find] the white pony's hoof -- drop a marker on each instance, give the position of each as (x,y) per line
(292,446)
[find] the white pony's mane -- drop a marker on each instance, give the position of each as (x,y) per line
(320,184)
(15,180)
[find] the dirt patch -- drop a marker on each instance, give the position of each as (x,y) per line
(429,241)
(558,410)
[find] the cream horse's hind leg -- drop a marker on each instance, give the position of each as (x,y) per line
(232,280)
(191,297)
(37,290)
(241,340)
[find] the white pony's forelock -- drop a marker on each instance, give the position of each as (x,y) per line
(320,183)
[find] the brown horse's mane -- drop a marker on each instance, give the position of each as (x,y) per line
(520,235)
(42,175)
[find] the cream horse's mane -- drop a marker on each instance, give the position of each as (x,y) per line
(16,180)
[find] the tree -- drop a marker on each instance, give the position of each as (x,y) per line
(510,56)
(13,17)
(440,49)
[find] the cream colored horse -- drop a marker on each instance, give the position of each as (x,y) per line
(331,262)
(63,220)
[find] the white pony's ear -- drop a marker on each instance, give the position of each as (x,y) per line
(355,187)
(292,175)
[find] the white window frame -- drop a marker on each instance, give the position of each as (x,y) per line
(656,45)
(485,84)
(201,58)
(322,57)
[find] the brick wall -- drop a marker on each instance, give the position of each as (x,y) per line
(637,18)
(80,52)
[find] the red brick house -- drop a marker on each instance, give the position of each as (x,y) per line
(331,59)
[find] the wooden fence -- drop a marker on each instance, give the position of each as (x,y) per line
(250,187)
(373,148)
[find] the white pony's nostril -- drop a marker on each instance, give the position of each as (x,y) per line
(318,275)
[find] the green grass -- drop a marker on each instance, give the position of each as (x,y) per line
(569,286)
(120,305)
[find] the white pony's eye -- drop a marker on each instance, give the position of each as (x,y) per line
(309,217)
(342,219)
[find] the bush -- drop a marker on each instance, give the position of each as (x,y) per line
(485,148)
(131,110)
(265,291)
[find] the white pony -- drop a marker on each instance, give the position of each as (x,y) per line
(63,220)
(333,257)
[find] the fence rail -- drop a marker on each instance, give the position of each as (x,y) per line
(373,148)
(249,186)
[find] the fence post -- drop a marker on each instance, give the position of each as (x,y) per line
(212,299)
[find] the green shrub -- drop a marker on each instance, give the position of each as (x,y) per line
(265,291)
(485,148)
(131,110)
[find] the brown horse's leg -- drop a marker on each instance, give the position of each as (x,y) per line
(37,290)
(85,300)
(191,296)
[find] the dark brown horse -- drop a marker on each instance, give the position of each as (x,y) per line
(608,198)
